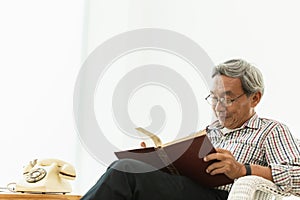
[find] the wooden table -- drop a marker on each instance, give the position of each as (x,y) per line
(25,196)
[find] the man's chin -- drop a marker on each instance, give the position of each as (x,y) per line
(224,122)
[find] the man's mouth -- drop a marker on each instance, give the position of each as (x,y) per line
(222,116)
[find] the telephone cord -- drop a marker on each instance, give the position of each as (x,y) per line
(11,187)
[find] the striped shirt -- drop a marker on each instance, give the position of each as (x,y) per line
(262,142)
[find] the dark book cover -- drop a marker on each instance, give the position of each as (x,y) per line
(183,158)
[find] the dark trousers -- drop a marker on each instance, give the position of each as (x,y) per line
(122,182)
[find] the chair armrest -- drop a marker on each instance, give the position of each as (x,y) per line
(255,187)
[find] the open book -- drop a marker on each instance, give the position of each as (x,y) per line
(180,157)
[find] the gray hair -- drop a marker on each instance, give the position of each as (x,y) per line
(250,76)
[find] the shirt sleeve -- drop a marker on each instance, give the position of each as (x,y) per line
(283,156)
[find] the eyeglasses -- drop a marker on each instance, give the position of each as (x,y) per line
(212,100)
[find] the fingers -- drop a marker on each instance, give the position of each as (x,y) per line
(219,167)
(221,170)
(220,155)
(215,168)
(226,164)
(143,144)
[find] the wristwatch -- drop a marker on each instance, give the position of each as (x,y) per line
(248,169)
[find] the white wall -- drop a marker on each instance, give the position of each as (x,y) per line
(43,44)
(40,58)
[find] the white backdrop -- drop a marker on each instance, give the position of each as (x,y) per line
(44,43)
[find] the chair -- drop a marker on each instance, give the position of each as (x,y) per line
(255,187)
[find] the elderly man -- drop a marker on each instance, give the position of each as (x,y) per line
(245,144)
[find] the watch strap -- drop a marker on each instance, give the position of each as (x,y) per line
(248,169)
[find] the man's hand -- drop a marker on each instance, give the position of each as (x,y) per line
(227,164)
(143,144)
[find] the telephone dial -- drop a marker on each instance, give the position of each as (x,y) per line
(46,176)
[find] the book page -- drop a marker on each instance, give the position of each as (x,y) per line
(199,133)
(157,140)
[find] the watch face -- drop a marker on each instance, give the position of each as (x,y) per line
(35,175)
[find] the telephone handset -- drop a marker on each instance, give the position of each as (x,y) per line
(46,176)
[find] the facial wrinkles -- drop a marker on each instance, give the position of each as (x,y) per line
(228,117)
(237,115)
(231,116)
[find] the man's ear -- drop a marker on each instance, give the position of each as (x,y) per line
(255,98)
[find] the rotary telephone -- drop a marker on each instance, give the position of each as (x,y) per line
(46,176)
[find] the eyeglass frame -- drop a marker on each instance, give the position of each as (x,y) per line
(222,100)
